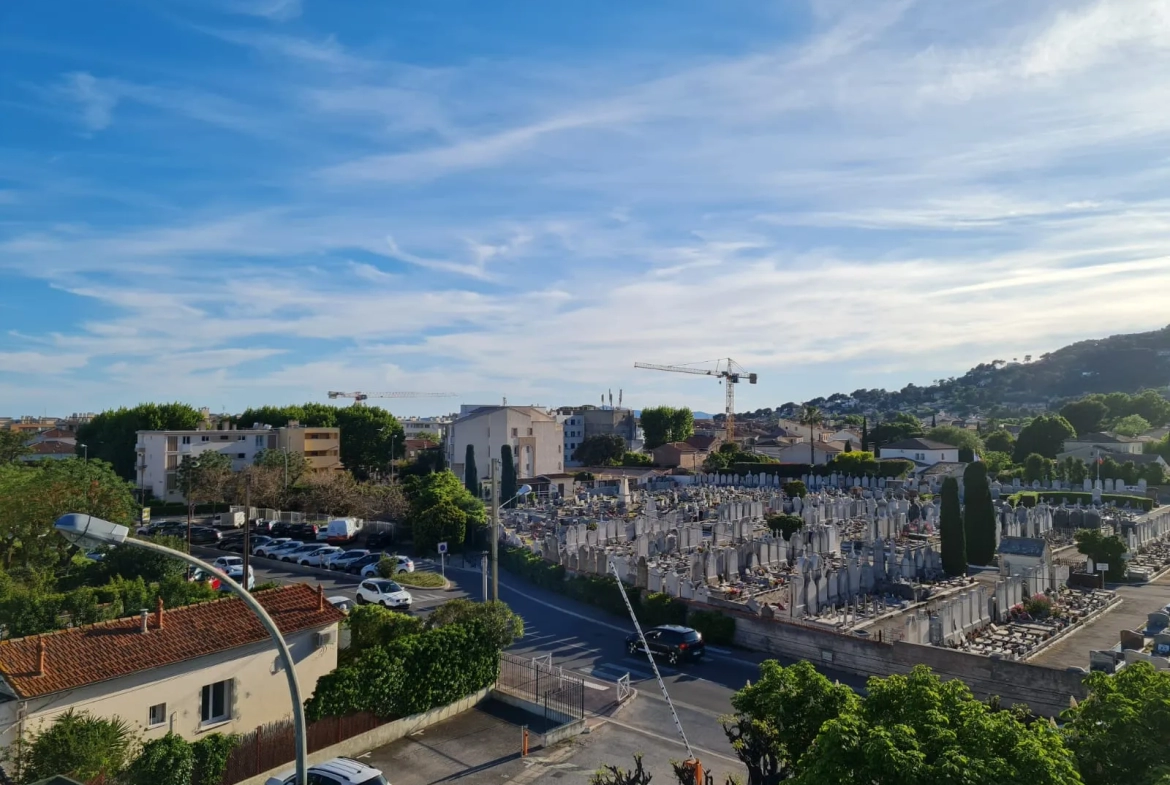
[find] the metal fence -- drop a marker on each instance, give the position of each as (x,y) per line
(560,696)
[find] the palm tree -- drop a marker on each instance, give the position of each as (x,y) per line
(812,417)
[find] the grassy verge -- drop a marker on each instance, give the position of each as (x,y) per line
(420,580)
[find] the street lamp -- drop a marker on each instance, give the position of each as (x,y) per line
(85,531)
(523,490)
(86,448)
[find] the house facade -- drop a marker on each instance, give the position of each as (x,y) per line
(536,438)
(679,455)
(923,452)
(190,671)
(800,452)
(1084,445)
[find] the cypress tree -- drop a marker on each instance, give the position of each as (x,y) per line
(865,434)
(470,475)
(507,476)
(954,539)
(978,514)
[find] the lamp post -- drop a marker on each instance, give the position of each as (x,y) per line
(86,531)
(86,448)
(523,490)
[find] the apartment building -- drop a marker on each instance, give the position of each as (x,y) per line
(583,422)
(574,428)
(537,440)
(161,452)
(413,426)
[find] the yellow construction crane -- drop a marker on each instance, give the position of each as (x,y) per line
(728,371)
(360,397)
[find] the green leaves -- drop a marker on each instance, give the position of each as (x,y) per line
(979,522)
(601,450)
(663,424)
(111,435)
(1044,435)
(951,533)
(1107,549)
(165,761)
(77,745)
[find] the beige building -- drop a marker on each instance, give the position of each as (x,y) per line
(537,440)
(194,670)
(1087,445)
(679,455)
(321,446)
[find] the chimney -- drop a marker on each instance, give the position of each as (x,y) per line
(40,656)
(158,614)
(145,620)
(320,597)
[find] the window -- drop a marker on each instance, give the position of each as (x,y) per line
(529,431)
(172,461)
(172,443)
(316,778)
(172,481)
(214,707)
(241,455)
(158,715)
(204,438)
(259,441)
(186,440)
(241,438)
(223,437)
(515,432)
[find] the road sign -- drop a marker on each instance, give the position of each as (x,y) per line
(442,547)
(1102,567)
(145,518)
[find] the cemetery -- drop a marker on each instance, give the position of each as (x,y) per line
(865,560)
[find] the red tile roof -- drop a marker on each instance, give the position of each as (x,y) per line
(99,652)
(52,448)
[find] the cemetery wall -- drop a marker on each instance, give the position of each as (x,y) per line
(1045,690)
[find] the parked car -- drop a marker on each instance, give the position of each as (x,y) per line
(385,593)
(170,528)
(376,541)
(149,528)
(342,559)
(338,771)
(235,543)
(356,566)
(341,530)
(320,557)
(672,642)
(294,555)
(272,548)
(204,535)
(404,565)
(282,529)
(341,603)
(307,532)
(234,567)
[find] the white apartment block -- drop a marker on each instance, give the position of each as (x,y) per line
(537,440)
(413,426)
(574,426)
(161,452)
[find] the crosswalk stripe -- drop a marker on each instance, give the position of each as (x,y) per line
(594,685)
(611,672)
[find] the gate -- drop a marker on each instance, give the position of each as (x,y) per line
(560,696)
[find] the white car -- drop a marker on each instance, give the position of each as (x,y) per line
(341,603)
(404,565)
(386,593)
(267,548)
(338,771)
(234,567)
(342,559)
(296,554)
(319,558)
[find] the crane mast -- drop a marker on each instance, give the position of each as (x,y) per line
(728,371)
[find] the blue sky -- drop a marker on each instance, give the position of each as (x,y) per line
(232,202)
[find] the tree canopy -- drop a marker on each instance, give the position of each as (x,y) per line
(1131,425)
(1103,549)
(429,490)
(953,537)
(203,478)
(600,450)
(902,426)
(958,437)
(12,446)
(999,440)
(111,435)
(1044,435)
(979,523)
(1086,415)
(508,485)
(664,424)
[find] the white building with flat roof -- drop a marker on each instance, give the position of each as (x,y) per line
(537,440)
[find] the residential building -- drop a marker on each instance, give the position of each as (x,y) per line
(536,438)
(209,666)
(800,452)
(321,446)
(415,446)
(923,452)
(679,455)
(1083,446)
(704,443)
(161,452)
(574,428)
(53,451)
(413,426)
(583,422)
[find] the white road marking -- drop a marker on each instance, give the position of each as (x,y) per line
(594,685)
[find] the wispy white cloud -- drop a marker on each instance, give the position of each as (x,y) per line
(95,99)
(276,10)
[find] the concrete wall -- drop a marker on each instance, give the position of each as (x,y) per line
(383,734)
(258,695)
(1045,690)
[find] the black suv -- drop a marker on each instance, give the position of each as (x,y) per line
(672,642)
(355,567)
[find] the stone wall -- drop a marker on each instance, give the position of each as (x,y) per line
(1045,690)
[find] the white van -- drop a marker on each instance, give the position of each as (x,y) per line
(341,530)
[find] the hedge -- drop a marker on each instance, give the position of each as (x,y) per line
(1032,498)
(651,609)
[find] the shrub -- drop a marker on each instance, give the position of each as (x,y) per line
(660,608)
(165,761)
(373,625)
(795,488)
(78,745)
(715,627)
(1038,606)
(211,756)
(784,525)
(502,625)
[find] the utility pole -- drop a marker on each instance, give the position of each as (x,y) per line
(247,527)
(495,528)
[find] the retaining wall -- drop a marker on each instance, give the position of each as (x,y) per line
(1045,690)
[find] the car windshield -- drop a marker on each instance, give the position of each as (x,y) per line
(388,586)
(691,636)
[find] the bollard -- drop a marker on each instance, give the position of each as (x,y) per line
(524,741)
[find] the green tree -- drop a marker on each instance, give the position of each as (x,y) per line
(1086,415)
(508,483)
(978,514)
(865,443)
(999,440)
(1131,425)
(502,626)
(470,473)
(111,435)
(918,729)
(444,487)
(1153,474)
(373,625)
(1121,730)
(1074,469)
(636,459)
(203,479)
(12,446)
(165,761)
(664,424)
(1152,406)
(855,463)
(1037,468)
(293,466)
(1045,435)
(779,716)
(903,426)
(957,437)
(784,525)
(211,756)
(811,417)
(600,450)
(997,462)
(1104,549)
(794,488)
(77,745)
(950,524)
(442,523)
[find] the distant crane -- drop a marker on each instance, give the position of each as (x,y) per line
(728,371)
(359,398)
